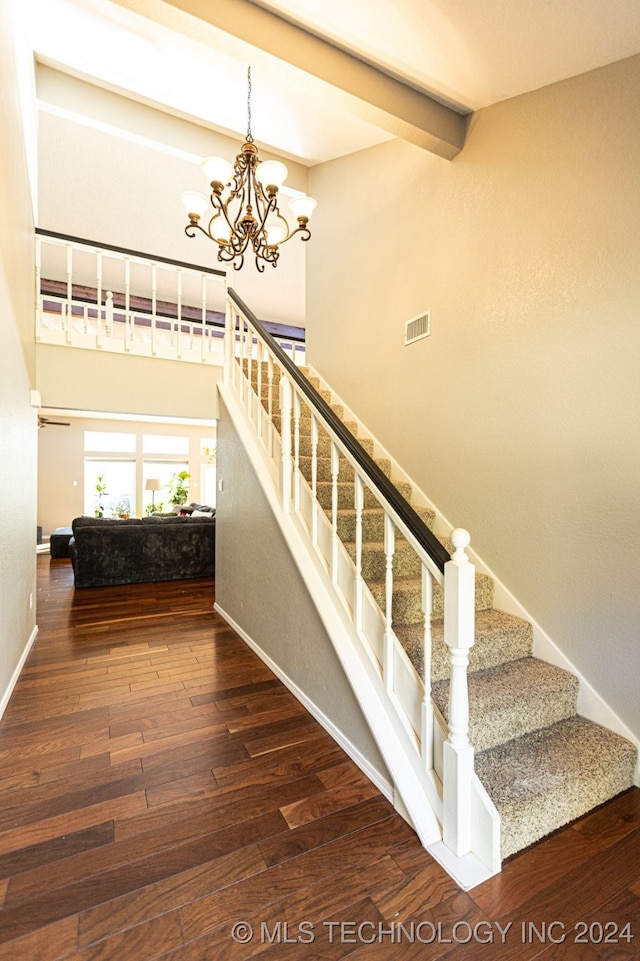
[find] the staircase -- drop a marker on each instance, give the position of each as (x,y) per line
(530,763)
(540,762)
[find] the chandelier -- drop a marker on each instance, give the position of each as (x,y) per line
(248,218)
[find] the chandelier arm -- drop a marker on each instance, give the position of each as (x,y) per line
(300,229)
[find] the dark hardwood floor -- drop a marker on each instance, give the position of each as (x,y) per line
(163,795)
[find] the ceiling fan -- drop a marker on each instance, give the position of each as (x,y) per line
(47,422)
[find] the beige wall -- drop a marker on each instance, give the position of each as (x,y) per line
(61,458)
(519,415)
(93,380)
(17,417)
(259,587)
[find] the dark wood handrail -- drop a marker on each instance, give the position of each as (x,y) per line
(409,517)
(285,331)
(128,252)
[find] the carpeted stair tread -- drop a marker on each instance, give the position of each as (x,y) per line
(406,562)
(543,780)
(345,470)
(372,523)
(542,765)
(500,638)
(513,699)
(346,496)
(407,598)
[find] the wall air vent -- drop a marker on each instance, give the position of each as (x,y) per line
(417,328)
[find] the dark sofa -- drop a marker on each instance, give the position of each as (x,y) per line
(107,551)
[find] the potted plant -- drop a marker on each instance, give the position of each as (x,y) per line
(101,489)
(122,509)
(179,489)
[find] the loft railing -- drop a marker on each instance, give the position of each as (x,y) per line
(277,398)
(100,296)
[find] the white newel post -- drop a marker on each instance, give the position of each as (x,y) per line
(108,314)
(459,628)
(286,461)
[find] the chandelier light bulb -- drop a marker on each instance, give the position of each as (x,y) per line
(276,233)
(220,230)
(217,170)
(272,173)
(302,207)
(194,204)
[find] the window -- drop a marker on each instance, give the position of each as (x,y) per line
(117,482)
(162,471)
(109,442)
(170,444)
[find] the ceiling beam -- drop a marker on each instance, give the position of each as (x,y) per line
(373,95)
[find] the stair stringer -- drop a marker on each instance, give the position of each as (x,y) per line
(591,704)
(416,792)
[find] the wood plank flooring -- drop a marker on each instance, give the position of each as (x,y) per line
(162,795)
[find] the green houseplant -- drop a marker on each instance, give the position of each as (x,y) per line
(101,490)
(179,488)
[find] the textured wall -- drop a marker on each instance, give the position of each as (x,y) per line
(259,586)
(519,415)
(17,418)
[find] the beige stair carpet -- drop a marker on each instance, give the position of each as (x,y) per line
(541,763)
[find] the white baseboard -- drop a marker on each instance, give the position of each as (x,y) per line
(356,756)
(16,674)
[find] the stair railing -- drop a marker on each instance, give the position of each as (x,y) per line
(277,398)
(100,296)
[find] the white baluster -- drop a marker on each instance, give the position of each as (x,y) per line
(243,356)
(38,291)
(127,304)
(178,326)
(358,503)
(229,343)
(459,621)
(99,324)
(427,704)
(108,314)
(69,307)
(296,450)
(389,637)
(203,339)
(314,479)
(260,408)
(270,405)
(249,397)
(285,438)
(335,541)
(154,297)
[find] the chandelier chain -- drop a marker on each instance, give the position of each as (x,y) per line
(249,136)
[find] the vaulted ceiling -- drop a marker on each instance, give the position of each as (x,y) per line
(334,77)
